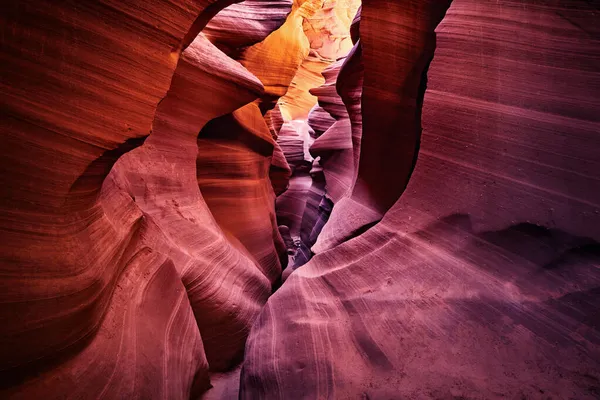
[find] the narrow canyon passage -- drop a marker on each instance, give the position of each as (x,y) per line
(300,199)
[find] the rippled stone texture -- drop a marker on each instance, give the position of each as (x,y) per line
(238,153)
(334,146)
(81,83)
(131,285)
(391,103)
(482,280)
(153,211)
(141,160)
(224,286)
(234,158)
(327,29)
(246,23)
(333,169)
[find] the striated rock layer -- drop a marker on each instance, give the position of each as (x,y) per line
(391,102)
(454,208)
(81,84)
(326,26)
(247,23)
(482,280)
(224,286)
(117,273)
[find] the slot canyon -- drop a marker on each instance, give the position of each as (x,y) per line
(300,199)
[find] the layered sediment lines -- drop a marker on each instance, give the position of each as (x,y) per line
(132,284)
(482,280)
(80,85)
(391,100)
(161,160)
(299,120)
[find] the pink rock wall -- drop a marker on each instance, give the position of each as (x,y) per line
(133,284)
(481,281)
(80,84)
(430,169)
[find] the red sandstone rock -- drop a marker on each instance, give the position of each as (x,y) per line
(482,279)
(205,257)
(391,109)
(153,209)
(280,171)
(143,248)
(234,158)
(78,82)
(135,269)
(335,146)
(328,98)
(326,29)
(237,156)
(246,23)
(319,120)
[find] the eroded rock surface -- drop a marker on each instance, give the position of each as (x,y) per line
(163,161)
(482,280)
(133,285)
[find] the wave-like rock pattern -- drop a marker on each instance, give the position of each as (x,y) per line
(482,280)
(333,168)
(234,159)
(326,28)
(246,23)
(140,165)
(225,287)
(81,84)
(334,146)
(134,286)
(152,203)
(238,154)
(337,126)
(391,102)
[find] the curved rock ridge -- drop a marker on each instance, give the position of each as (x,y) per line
(294,139)
(327,97)
(333,167)
(151,207)
(338,148)
(238,154)
(337,125)
(349,86)
(482,280)
(391,108)
(315,214)
(244,24)
(298,101)
(276,59)
(81,86)
(334,147)
(238,157)
(319,120)
(206,259)
(233,164)
(149,318)
(327,29)
(139,279)
(326,26)
(163,161)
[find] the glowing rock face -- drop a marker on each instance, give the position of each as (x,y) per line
(326,27)
(302,208)
(161,160)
